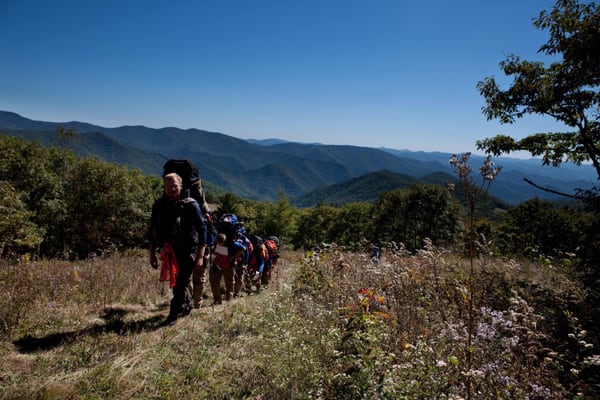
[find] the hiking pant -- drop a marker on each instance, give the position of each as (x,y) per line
(251,271)
(238,276)
(182,296)
(266,275)
(214,276)
(198,280)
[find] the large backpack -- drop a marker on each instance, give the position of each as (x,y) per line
(272,245)
(190,177)
(243,239)
(211,231)
(259,249)
(228,225)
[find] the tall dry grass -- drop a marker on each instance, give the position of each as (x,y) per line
(333,325)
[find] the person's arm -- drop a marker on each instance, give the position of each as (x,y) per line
(200,255)
(202,230)
(260,260)
(153,235)
(153,258)
(237,251)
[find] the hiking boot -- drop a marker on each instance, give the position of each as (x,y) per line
(187,310)
(170,321)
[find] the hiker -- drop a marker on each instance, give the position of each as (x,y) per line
(199,271)
(242,264)
(375,254)
(226,257)
(192,187)
(256,263)
(178,228)
(272,246)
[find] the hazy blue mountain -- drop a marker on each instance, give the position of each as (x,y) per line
(525,167)
(362,188)
(266,142)
(259,169)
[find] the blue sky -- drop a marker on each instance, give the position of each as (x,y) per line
(377,73)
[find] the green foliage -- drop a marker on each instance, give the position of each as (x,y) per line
(230,204)
(537,228)
(566,90)
(352,226)
(72,206)
(279,219)
(315,226)
(17,233)
(410,216)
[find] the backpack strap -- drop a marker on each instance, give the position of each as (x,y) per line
(187,200)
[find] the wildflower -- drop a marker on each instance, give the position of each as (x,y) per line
(475,373)
(592,360)
(461,166)
(488,172)
(441,364)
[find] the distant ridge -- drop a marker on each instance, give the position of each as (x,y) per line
(261,169)
(266,142)
(362,188)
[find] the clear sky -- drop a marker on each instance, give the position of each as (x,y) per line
(376,73)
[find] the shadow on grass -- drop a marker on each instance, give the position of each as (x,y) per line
(114,324)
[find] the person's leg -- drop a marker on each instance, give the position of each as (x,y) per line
(266,275)
(199,278)
(181,300)
(228,275)
(214,276)
(238,277)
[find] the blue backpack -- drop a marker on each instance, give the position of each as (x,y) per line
(228,224)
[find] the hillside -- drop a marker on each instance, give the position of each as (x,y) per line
(393,330)
(260,170)
(362,188)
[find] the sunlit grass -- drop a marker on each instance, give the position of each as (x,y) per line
(330,326)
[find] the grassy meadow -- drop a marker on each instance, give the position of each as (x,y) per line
(333,325)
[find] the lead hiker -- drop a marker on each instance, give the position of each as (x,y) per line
(178,229)
(192,187)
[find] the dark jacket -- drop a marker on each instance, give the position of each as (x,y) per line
(181,224)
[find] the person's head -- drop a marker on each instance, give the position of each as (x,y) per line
(221,238)
(172,186)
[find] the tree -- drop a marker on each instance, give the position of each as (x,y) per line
(535,228)
(315,226)
(17,232)
(280,218)
(566,90)
(61,205)
(411,215)
(229,204)
(351,226)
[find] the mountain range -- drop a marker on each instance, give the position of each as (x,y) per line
(308,173)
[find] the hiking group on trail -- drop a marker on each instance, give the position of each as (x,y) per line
(181,227)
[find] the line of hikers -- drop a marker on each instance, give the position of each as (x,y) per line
(243,262)
(182,229)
